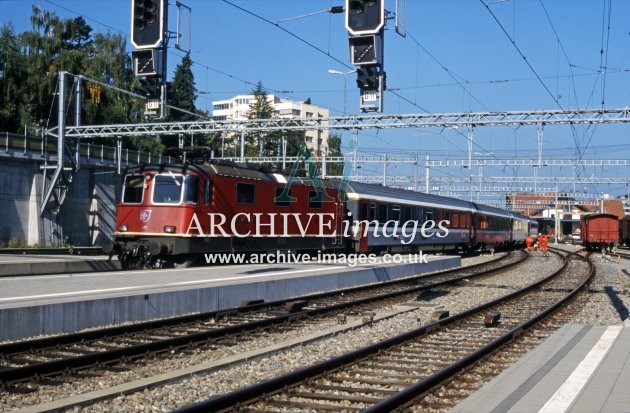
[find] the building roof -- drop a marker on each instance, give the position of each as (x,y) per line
(533,204)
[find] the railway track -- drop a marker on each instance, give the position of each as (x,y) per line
(621,254)
(394,372)
(44,358)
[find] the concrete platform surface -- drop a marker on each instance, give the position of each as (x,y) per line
(579,369)
(52,304)
(26,264)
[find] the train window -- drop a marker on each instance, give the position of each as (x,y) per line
(394,212)
(133,189)
(455,220)
(167,189)
(207,193)
(382,213)
(371,211)
(314,199)
(428,215)
(280,200)
(407,213)
(191,189)
(245,193)
(417,214)
(446,217)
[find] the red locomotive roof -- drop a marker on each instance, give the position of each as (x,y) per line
(229,170)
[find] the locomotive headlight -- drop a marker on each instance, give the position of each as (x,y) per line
(123,228)
(169,229)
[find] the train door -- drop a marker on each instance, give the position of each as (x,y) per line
(339,218)
(366,214)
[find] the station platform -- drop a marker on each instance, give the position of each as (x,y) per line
(53,304)
(29,264)
(579,369)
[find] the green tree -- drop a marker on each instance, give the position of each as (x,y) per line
(30,61)
(12,78)
(184,94)
(334,149)
(184,90)
(51,46)
(260,108)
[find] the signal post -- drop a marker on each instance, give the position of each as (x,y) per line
(149,22)
(365,22)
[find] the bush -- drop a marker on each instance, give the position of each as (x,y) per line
(17,241)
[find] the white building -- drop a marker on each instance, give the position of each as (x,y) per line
(238,108)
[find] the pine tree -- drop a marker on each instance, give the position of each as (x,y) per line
(184,90)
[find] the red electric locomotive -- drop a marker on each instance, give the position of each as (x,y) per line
(599,231)
(173,213)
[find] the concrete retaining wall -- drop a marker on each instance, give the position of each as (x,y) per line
(86,217)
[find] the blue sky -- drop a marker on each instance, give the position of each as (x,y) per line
(459,56)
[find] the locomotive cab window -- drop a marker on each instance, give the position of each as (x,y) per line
(167,189)
(191,189)
(245,193)
(207,192)
(133,189)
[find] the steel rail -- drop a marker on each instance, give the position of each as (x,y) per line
(252,392)
(22,373)
(408,394)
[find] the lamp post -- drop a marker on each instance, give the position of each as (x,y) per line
(338,72)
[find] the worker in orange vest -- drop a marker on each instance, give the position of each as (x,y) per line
(543,245)
(529,241)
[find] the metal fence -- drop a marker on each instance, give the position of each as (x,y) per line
(36,147)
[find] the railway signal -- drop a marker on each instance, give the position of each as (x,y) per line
(150,86)
(366,50)
(367,78)
(365,22)
(147,62)
(147,23)
(365,16)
